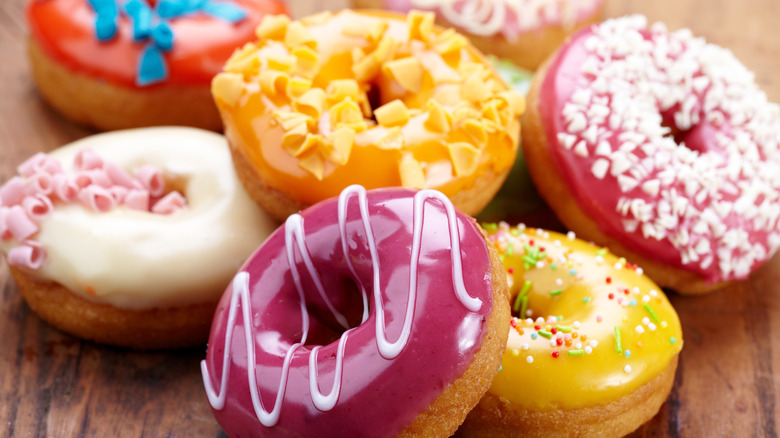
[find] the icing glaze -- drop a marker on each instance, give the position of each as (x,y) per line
(114,256)
(297,105)
(668,144)
(589,327)
(402,254)
(200,41)
(510,18)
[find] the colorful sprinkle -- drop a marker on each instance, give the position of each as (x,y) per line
(565,328)
(651,312)
(618,340)
(672,340)
(545,334)
(556,292)
(555,354)
(519,297)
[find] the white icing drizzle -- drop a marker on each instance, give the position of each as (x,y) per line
(295,237)
(489,17)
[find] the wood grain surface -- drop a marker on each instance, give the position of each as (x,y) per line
(53,385)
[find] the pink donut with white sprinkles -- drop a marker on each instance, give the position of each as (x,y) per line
(666,144)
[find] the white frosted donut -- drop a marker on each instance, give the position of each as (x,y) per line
(139,260)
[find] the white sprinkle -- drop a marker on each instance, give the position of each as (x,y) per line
(618,266)
(594,343)
(552,343)
(651,326)
(653,293)
(525,347)
(570,235)
(627,369)
(576,324)
(539,264)
(578,345)
(599,259)
(558,281)
(588,350)
(639,329)
(645,320)
(529,359)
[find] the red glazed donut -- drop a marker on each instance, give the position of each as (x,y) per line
(118,64)
(660,146)
(425,339)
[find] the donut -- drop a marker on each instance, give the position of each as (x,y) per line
(378,313)
(661,147)
(129,238)
(374,99)
(593,343)
(523,31)
(114,64)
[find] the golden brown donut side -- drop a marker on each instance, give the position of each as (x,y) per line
(151,329)
(553,189)
(615,419)
(446,413)
(97,103)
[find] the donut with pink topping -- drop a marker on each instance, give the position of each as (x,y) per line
(523,31)
(660,146)
(128,238)
(379,313)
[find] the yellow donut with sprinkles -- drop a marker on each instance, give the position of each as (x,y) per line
(592,347)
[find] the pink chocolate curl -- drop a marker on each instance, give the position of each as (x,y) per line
(29,255)
(170,203)
(13,191)
(39,162)
(87,159)
(40,183)
(97,198)
(152,180)
(98,177)
(19,224)
(37,206)
(65,188)
(118,176)
(118,193)
(137,199)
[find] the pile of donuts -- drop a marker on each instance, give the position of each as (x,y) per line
(326,245)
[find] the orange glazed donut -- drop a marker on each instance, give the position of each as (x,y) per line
(592,348)
(116,64)
(366,98)
(523,31)
(660,146)
(129,237)
(379,313)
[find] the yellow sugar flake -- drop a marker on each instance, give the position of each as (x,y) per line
(314,164)
(365,68)
(346,111)
(475,89)
(273,27)
(475,130)
(282,62)
(411,172)
(394,139)
(307,61)
(311,142)
(243,60)
(297,86)
(274,82)
(311,103)
(318,18)
(341,88)
(294,138)
(420,25)
(438,119)
(372,31)
(453,43)
(516,101)
(299,35)
(290,120)
(342,140)
(407,72)
(386,49)
(228,87)
(393,113)
(464,158)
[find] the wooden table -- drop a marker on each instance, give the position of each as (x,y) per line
(54,385)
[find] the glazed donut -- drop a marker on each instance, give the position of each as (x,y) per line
(379,313)
(101,248)
(660,146)
(592,348)
(370,99)
(115,64)
(523,31)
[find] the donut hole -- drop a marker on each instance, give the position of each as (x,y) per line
(687,138)
(325,328)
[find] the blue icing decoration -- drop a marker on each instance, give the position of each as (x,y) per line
(224,10)
(162,35)
(151,66)
(151,26)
